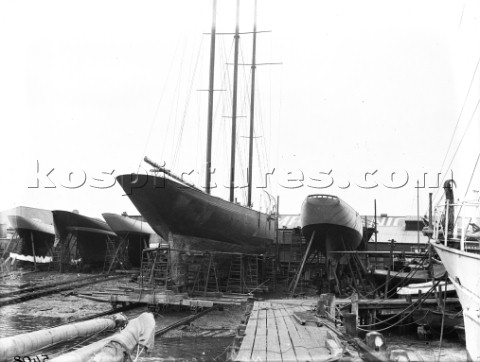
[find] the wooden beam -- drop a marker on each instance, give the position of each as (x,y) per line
(305,256)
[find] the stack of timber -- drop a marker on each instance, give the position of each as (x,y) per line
(164,297)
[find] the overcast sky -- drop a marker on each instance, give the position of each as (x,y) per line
(362,86)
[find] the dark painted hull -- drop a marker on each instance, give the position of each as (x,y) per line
(136,232)
(91,235)
(435,320)
(35,225)
(337,226)
(170,207)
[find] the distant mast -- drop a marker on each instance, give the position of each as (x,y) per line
(252,109)
(234,108)
(210,101)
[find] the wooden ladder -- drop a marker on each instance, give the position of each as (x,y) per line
(251,272)
(155,268)
(235,282)
(116,254)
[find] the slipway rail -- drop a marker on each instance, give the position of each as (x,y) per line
(20,295)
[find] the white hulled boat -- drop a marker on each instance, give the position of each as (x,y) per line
(460,254)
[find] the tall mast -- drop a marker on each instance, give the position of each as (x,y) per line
(234,108)
(210,100)
(252,109)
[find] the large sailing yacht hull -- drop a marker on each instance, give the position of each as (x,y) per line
(171,207)
(337,226)
(463,271)
(90,234)
(35,228)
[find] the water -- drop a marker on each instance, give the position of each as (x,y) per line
(191,349)
(15,320)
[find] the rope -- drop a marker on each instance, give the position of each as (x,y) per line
(456,125)
(182,125)
(139,351)
(416,305)
(407,278)
(162,93)
(443,321)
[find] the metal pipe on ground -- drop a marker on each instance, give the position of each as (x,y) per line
(26,343)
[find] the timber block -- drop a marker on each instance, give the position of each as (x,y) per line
(398,355)
(332,346)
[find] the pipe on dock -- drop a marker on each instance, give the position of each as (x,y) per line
(26,343)
(139,331)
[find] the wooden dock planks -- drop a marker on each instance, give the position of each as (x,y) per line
(245,351)
(272,334)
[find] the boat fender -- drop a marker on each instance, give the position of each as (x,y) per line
(120,320)
(376,341)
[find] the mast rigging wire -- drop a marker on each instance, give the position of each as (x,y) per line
(456,125)
(162,93)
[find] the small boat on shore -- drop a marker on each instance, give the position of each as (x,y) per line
(418,289)
(137,234)
(402,278)
(34,227)
(337,226)
(434,318)
(82,238)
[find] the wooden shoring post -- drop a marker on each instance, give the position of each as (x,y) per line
(304,259)
(242,274)
(360,274)
(354,300)
(208,275)
(121,245)
(327,273)
(33,252)
(168,267)
(350,323)
(375,223)
(385,296)
(330,306)
(337,282)
(389,268)
(5,251)
(321,308)
(360,264)
(354,280)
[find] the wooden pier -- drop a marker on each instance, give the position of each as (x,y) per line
(283,332)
